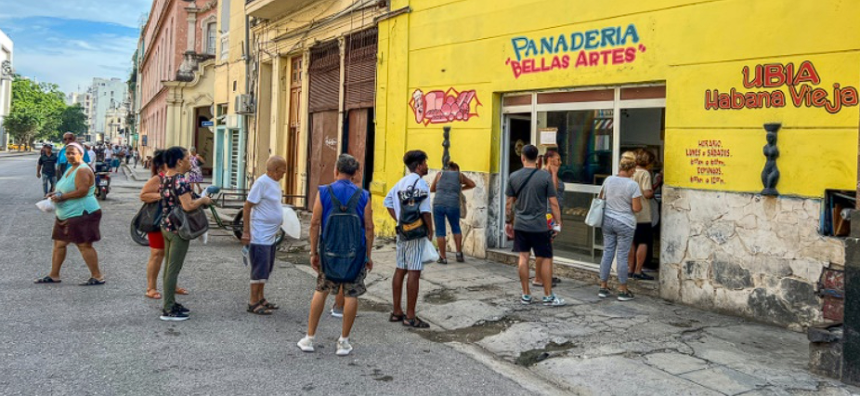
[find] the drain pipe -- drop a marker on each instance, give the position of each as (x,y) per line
(246,55)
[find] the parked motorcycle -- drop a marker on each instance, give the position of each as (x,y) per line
(102,180)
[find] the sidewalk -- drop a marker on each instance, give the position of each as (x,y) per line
(9,154)
(647,346)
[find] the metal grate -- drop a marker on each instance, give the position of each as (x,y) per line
(361,69)
(324,73)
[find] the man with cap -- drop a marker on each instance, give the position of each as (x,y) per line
(62,162)
(46,169)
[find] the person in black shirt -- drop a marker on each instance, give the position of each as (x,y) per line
(46,169)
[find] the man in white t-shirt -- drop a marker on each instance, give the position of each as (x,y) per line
(263,217)
(409,261)
(92,154)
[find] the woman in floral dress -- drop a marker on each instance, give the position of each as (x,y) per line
(195,175)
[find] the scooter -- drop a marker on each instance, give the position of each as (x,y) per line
(102,180)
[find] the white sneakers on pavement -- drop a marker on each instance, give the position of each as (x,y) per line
(306,344)
(343,347)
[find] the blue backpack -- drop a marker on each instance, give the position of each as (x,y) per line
(342,252)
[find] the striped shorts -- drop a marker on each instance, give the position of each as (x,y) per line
(409,254)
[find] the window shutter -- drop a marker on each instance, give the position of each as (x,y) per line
(324,74)
(360,64)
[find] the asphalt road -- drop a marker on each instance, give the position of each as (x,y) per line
(70,340)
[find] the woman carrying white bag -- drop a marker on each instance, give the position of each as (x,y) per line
(614,211)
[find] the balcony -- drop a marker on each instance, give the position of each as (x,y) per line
(271,9)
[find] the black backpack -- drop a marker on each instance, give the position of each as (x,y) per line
(410,225)
(342,252)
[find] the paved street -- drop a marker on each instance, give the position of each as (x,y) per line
(65,339)
(69,340)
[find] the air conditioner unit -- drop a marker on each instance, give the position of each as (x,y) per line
(244,104)
(231,121)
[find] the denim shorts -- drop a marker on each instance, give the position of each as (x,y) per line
(440,213)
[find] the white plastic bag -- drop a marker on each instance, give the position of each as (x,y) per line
(428,251)
(45,205)
(205,237)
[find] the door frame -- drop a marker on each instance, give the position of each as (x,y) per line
(616,105)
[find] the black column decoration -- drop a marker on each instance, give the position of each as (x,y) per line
(446,143)
(770,174)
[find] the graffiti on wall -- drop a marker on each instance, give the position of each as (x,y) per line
(437,107)
(597,47)
(800,81)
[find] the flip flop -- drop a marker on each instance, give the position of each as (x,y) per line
(47,279)
(153,294)
(181,291)
(93,282)
(396,318)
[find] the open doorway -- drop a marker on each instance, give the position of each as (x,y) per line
(643,129)
(520,135)
(204,138)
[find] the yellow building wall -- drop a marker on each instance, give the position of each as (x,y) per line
(691,46)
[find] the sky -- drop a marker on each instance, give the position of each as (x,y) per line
(68,42)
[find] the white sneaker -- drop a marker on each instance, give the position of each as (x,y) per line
(343,347)
(306,344)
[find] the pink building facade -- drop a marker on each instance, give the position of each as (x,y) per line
(178,36)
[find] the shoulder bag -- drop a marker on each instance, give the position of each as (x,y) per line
(148,218)
(594,217)
(189,225)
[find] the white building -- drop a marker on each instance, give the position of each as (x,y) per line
(106,94)
(116,130)
(5,84)
(86,101)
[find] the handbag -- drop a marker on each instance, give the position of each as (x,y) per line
(594,217)
(189,225)
(148,218)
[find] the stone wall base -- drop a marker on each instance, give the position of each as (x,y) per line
(745,254)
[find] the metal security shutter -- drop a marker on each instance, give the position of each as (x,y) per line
(360,65)
(324,73)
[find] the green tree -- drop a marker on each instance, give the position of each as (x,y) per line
(73,120)
(22,124)
(37,110)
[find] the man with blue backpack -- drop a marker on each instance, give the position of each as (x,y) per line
(341,236)
(408,204)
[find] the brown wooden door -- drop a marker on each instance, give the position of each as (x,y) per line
(357,136)
(323,154)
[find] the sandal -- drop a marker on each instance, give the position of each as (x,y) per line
(442,261)
(269,305)
(93,282)
(181,291)
(153,294)
(396,318)
(47,279)
(259,309)
(415,323)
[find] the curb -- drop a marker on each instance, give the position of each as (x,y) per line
(21,154)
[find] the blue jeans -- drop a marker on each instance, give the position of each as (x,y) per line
(617,239)
(440,213)
(52,180)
